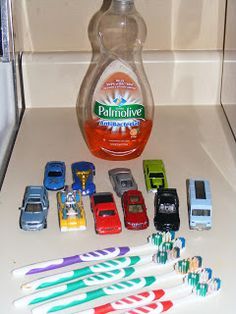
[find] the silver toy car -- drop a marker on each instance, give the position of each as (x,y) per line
(34,209)
(122,180)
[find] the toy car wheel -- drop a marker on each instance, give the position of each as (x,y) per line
(45,224)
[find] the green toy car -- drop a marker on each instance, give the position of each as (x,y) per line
(155,175)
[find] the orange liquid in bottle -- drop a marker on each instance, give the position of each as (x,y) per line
(117,143)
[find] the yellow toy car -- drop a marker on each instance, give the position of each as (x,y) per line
(71,210)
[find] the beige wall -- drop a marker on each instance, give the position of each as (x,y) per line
(61,25)
(228,95)
(230,35)
(229,66)
(176,78)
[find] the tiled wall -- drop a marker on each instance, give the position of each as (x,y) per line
(61,25)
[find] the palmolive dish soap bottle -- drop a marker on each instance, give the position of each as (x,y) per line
(116,110)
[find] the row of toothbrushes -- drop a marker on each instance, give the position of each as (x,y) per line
(103,273)
(195,285)
(198,279)
(168,251)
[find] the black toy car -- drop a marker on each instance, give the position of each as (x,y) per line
(166,217)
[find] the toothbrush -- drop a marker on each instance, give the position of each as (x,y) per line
(201,290)
(136,300)
(157,307)
(146,297)
(120,287)
(103,278)
(154,241)
(173,248)
(109,265)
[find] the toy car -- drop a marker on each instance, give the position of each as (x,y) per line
(135,211)
(71,210)
(122,180)
(155,175)
(83,173)
(166,217)
(199,204)
(54,175)
(106,217)
(34,209)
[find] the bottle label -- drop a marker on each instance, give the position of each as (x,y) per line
(118,98)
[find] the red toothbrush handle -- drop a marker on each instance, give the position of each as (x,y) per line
(130,302)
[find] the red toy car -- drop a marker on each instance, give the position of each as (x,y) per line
(135,211)
(106,217)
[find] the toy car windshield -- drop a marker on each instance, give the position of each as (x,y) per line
(105,213)
(201,212)
(126,183)
(33,208)
(167,209)
(105,198)
(134,198)
(156,175)
(135,208)
(54,173)
(34,200)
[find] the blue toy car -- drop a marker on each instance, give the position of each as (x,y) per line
(54,175)
(83,173)
(34,209)
(199,204)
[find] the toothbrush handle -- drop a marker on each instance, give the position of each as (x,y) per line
(96,255)
(65,303)
(121,287)
(95,280)
(50,281)
(128,302)
(156,307)
(105,266)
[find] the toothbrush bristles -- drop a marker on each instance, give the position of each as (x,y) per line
(158,238)
(168,250)
(195,263)
(180,243)
(160,257)
(188,265)
(205,274)
(214,285)
(198,278)
(166,246)
(166,253)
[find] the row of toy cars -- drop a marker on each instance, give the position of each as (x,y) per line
(70,206)
(106,217)
(82,172)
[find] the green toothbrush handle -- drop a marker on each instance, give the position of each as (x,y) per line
(121,287)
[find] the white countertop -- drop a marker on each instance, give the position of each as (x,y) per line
(192,141)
